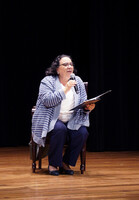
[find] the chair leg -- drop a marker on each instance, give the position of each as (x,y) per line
(40,160)
(33,156)
(83,159)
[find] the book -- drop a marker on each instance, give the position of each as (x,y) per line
(90,101)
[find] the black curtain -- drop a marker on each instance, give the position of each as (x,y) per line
(102,38)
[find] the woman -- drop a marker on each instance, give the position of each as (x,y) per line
(57,96)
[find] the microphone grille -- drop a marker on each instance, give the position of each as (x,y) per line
(72,76)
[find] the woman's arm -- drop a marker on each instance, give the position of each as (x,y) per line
(48,95)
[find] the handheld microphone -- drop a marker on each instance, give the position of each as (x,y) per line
(72,77)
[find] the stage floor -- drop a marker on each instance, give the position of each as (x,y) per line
(109,175)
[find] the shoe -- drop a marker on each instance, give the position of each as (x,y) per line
(54,172)
(66,171)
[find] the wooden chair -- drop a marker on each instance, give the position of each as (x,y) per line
(42,151)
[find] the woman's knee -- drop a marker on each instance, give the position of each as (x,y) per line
(60,128)
(83,132)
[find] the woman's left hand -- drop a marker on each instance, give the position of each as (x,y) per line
(90,107)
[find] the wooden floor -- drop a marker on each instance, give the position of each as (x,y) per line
(109,175)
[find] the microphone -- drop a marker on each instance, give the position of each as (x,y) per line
(72,77)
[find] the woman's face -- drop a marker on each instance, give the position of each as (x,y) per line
(65,68)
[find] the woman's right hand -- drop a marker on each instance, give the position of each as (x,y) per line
(69,85)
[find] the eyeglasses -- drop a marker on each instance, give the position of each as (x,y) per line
(66,64)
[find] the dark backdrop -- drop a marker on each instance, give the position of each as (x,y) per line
(102,38)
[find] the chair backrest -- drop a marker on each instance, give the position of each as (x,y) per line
(86,86)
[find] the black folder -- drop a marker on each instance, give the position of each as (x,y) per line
(90,101)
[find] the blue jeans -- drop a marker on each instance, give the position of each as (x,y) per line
(58,136)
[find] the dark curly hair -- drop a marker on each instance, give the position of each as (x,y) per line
(52,70)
